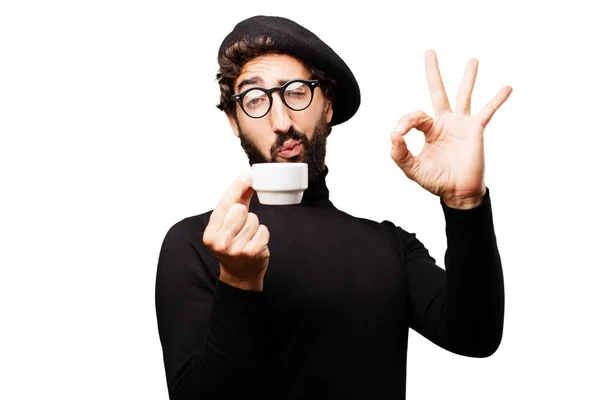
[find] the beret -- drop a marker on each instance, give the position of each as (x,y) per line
(291,38)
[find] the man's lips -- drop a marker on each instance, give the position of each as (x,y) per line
(290,148)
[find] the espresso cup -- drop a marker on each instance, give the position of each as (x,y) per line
(279,183)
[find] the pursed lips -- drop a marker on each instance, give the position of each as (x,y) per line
(290,148)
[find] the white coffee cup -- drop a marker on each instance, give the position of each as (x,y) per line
(279,183)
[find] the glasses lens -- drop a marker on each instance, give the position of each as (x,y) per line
(256,103)
(297,96)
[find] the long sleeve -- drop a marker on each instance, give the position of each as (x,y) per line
(211,333)
(460,308)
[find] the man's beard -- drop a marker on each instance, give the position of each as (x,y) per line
(314,149)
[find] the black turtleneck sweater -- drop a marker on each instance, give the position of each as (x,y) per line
(340,294)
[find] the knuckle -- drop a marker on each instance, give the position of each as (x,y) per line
(414,117)
(238,210)
(221,246)
(252,251)
(207,238)
(252,218)
(265,232)
(246,252)
(396,136)
(236,252)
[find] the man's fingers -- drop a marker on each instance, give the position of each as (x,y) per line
(439,99)
(232,225)
(258,245)
(247,231)
(239,192)
(247,196)
(400,154)
(465,91)
(416,119)
(488,111)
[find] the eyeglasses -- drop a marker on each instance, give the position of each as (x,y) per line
(296,94)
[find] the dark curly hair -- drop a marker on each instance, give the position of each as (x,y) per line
(239,53)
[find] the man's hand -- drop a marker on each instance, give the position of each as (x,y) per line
(451,163)
(236,238)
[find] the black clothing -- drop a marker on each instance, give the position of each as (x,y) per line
(339,296)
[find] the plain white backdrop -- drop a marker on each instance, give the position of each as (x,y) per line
(110,135)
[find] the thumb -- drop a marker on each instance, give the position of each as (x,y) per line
(400,153)
(249,192)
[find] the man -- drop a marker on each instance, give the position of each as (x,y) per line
(306,301)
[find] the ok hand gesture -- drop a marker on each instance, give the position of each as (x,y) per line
(451,163)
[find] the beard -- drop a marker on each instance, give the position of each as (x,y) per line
(313,153)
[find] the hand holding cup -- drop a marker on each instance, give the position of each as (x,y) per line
(237,239)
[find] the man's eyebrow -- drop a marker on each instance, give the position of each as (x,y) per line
(250,81)
(282,82)
(258,80)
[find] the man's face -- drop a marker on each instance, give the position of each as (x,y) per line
(264,139)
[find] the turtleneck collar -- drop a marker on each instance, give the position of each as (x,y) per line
(316,194)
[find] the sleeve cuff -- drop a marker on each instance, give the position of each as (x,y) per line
(238,299)
(471,219)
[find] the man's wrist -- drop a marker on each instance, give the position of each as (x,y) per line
(253,284)
(464,203)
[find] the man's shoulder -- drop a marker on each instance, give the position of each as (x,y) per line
(384,227)
(192,225)
(368,222)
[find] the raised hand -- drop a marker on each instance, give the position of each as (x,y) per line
(236,238)
(451,162)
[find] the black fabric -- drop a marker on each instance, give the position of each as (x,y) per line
(340,295)
(292,38)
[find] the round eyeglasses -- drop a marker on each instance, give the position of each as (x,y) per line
(296,94)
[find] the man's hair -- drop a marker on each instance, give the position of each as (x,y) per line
(239,53)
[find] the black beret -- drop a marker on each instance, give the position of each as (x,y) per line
(291,38)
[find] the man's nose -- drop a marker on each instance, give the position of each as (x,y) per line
(280,118)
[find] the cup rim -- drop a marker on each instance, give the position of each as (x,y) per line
(280,165)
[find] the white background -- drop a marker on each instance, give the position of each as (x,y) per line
(110,135)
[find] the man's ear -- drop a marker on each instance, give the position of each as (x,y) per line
(233,123)
(329,111)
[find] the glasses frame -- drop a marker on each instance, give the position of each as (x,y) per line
(312,84)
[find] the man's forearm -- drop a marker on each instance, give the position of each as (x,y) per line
(475,285)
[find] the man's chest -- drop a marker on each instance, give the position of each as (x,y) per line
(335,270)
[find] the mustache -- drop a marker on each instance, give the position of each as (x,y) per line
(291,134)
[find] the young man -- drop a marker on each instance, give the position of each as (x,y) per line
(306,301)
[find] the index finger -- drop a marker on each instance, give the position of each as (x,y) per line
(239,192)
